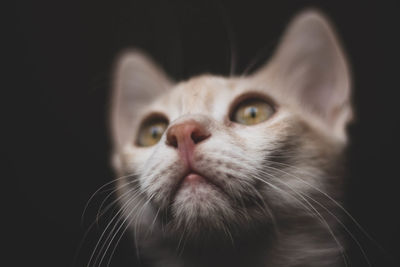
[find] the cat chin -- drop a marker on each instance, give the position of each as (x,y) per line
(204,212)
(201,202)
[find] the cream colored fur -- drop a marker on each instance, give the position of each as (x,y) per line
(309,82)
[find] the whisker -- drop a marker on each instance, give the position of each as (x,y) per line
(326,195)
(135,227)
(98,190)
(180,240)
(321,218)
(116,200)
(119,239)
(108,226)
(151,228)
(231,40)
(119,218)
(94,223)
(81,243)
(345,228)
(262,53)
(325,208)
(121,224)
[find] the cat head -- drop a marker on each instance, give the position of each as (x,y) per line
(215,154)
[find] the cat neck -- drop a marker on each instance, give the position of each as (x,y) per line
(310,245)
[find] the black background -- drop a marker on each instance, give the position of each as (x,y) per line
(56,88)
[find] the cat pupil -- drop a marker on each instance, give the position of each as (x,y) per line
(154,132)
(253,112)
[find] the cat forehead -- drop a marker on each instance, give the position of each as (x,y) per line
(209,95)
(203,94)
(202,90)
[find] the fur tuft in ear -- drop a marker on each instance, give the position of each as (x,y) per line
(310,65)
(137,80)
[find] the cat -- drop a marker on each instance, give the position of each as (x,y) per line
(236,171)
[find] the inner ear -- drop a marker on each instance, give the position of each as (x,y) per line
(310,65)
(137,81)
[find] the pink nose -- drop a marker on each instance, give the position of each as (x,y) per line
(185,136)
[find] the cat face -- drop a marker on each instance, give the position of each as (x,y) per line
(217,155)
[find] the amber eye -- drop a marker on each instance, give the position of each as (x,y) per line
(252,111)
(151,131)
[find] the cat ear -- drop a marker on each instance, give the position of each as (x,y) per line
(137,80)
(310,64)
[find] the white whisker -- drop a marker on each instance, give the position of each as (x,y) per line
(325,194)
(98,190)
(121,224)
(313,210)
(122,208)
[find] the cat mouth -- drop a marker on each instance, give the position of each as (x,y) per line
(193,179)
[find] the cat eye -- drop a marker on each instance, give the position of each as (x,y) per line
(152,130)
(252,111)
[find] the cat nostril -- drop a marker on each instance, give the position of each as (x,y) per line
(172,141)
(198,136)
(186,133)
